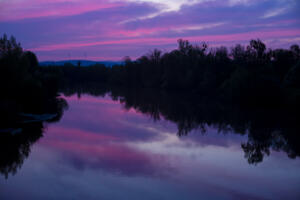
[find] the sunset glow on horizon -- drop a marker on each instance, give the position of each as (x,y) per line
(112,29)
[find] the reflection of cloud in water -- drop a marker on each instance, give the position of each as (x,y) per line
(98,151)
(101,151)
(98,115)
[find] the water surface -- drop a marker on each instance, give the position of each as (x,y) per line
(101,149)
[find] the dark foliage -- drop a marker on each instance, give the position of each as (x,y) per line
(29,99)
(251,75)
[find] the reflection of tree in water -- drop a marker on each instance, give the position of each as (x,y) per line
(266,129)
(20,131)
(259,144)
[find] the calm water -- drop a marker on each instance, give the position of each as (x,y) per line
(99,150)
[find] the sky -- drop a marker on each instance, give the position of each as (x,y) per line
(113,29)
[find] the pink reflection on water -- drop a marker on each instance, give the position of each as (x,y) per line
(84,149)
(71,134)
(103,151)
(94,134)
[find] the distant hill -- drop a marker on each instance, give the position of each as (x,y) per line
(84,63)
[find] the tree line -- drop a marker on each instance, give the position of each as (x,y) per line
(251,74)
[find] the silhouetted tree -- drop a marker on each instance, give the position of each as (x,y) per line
(251,75)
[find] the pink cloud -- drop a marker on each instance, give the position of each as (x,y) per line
(104,35)
(18,10)
(238,37)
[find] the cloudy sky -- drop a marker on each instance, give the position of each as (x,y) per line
(112,29)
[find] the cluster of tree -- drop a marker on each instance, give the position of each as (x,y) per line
(29,99)
(23,85)
(251,75)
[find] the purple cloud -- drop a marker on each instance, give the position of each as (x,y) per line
(112,29)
